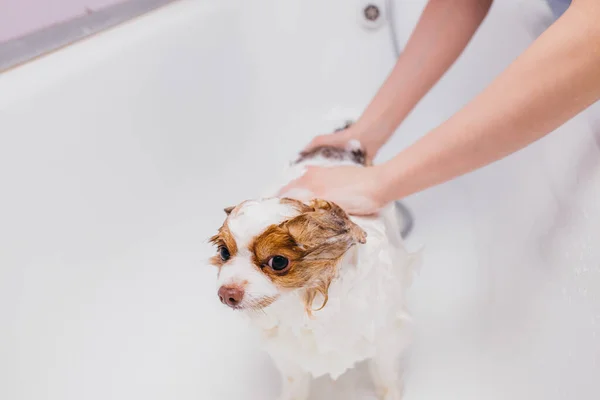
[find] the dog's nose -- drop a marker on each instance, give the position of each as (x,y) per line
(231,295)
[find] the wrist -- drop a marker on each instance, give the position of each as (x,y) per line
(371,137)
(383,185)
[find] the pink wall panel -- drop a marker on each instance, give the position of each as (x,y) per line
(19,17)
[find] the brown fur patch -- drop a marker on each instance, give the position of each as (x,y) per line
(313,242)
(223,238)
(358,156)
(228,210)
(297,204)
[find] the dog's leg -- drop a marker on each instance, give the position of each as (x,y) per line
(385,369)
(295,383)
(387,375)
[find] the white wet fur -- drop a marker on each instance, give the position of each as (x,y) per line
(248,221)
(365,317)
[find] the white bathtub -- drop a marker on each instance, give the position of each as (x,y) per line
(118,153)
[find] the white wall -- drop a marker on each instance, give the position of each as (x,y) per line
(118,154)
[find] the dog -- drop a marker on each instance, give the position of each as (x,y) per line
(325,289)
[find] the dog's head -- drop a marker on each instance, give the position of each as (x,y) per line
(269,247)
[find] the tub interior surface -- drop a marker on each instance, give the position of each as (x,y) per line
(118,154)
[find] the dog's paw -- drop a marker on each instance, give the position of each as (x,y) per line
(396,395)
(389,394)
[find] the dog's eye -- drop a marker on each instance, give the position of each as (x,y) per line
(224,253)
(278,263)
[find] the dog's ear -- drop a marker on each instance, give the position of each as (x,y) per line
(336,216)
(324,231)
(228,210)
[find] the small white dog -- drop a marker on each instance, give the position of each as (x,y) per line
(327,290)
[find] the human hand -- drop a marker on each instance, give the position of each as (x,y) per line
(358,190)
(341,139)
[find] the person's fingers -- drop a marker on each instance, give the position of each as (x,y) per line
(300,188)
(284,190)
(316,142)
(296,190)
(299,194)
(296,183)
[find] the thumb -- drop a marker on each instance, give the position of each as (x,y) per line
(295,189)
(299,194)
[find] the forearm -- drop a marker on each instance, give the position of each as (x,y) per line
(443,31)
(555,79)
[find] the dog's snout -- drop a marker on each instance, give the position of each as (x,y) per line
(231,295)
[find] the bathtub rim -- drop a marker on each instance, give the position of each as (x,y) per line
(25,49)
